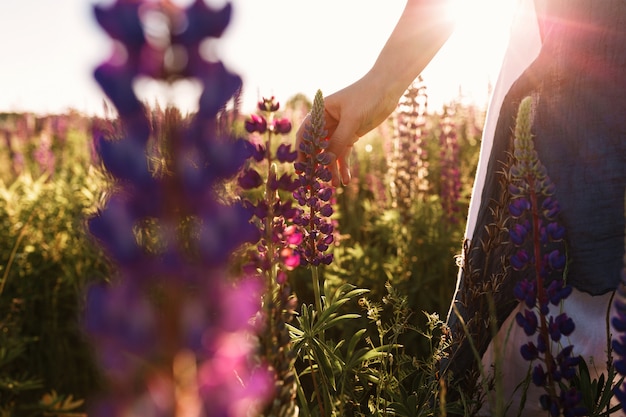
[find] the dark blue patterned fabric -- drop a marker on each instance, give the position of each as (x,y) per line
(578,83)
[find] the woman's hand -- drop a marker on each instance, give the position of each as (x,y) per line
(349,114)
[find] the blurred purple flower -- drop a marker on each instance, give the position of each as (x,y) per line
(282,126)
(285,154)
(172,305)
(268,104)
(449,156)
(256,123)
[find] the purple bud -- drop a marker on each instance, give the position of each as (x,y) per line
(518,234)
(250,179)
(282,126)
(268,104)
(327,259)
(321,246)
(515,191)
(555,231)
(256,123)
(557,291)
(257,151)
(520,260)
(324,174)
(528,321)
(550,207)
(299,166)
(518,206)
(284,153)
(525,291)
(539,376)
(326,210)
(547,187)
(529,351)
(556,260)
(286,183)
(326,228)
(324,158)
(565,324)
(325,193)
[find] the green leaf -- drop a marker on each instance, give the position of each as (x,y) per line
(354,340)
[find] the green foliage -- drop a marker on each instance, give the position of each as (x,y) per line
(597,393)
(369,344)
(46,259)
(413,246)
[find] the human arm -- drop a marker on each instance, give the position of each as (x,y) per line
(350,113)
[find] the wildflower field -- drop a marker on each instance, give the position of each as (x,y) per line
(158,263)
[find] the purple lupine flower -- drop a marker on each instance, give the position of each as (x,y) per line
(273,215)
(43,154)
(171,308)
(450,191)
(256,123)
(529,351)
(285,154)
(313,193)
(250,179)
(618,344)
(407,157)
(275,253)
(538,241)
(268,104)
(282,126)
(518,207)
(528,321)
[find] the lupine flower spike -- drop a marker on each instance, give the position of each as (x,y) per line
(314,195)
(408,158)
(274,254)
(539,242)
(450,191)
(171,332)
(619,341)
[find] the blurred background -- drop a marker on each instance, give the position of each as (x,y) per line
(280,47)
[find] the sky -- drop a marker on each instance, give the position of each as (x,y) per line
(49,48)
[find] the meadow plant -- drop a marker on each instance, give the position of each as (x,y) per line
(275,254)
(450,184)
(172,330)
(408,158)
(540,253)
(314,195)
(332,371)
(45,260)
(43,154)
(619,341)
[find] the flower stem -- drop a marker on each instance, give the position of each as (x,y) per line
(316,289)
(541,291)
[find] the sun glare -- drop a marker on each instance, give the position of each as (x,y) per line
(482,15)
(469,63)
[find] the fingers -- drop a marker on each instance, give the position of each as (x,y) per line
(333,167)
(340,147)
(340,169)
(299,135)
(344,168)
